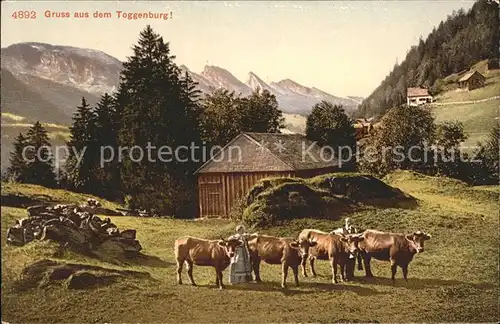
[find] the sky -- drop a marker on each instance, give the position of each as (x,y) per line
(342,47)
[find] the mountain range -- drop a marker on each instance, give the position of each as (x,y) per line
(46,82)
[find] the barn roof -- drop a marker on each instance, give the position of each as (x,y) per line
(468,75)
(262,152)
(417,92)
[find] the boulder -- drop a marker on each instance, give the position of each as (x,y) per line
(129,234)
(64,234)
(82,280)
(60,273)
(36,210)
(119,246)
(15,236)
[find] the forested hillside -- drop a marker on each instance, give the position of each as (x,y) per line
(463,39)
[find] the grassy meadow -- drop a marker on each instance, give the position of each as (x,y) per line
(478,118)
(455,279)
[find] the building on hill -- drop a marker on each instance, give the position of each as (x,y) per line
(471,80)
(417,96)
(229,175)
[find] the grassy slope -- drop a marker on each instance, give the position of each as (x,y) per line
(478,118)
(456,279)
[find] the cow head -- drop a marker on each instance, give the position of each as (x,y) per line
(303,247)
(417,239)
(229,246)
(351,242)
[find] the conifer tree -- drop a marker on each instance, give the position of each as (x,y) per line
(39,165)
(18,166)
(157,107)
(106,175)
(79,162)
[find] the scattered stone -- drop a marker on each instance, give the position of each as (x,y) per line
(74,226)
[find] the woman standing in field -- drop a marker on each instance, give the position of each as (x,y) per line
(345,230)
(241,269)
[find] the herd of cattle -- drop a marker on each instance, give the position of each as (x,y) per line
(340,249)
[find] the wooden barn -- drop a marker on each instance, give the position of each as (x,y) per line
(471,80)
(230,174)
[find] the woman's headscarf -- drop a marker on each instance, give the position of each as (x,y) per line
(240,229)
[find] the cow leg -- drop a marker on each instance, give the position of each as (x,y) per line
(256,269)
(334,263)
(405,272)
(360,261)
(349,269)
(311,263)
(343,269)
(296,274)
(180,263)
(303,265)
(219,282)
(366,260)
(190,272)
(284,274)
(394,268)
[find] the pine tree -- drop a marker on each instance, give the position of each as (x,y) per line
(157,107)
(106,175)
(18,165)
(39,167)
(79,172)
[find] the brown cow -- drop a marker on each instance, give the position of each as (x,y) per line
(275,250)
(329,246)
(399,249)
(212,253)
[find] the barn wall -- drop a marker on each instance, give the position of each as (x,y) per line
(218,192)
(475,82)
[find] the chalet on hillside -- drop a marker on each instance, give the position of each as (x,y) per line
(471,80)
(229,175)
(417,96)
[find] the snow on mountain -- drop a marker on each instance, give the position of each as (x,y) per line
(254,82)
(296,98)
(62,73)
(86,69)
(221,78)
(356,99)
(204,84)
(288,85)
